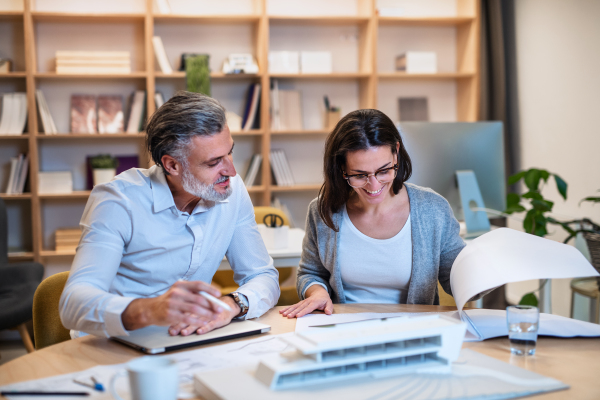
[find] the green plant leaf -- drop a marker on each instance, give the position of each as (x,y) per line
(530,299)
(542,205)
(532,179)
(512,199)
(516,177)
(566,227)
(528,222)
(590,199)
(540,230)
(561,185)
(544,175)
(533,195)
(514,209)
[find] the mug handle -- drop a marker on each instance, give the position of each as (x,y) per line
(111,385)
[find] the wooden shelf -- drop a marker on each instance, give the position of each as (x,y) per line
(425,21)
(213,75)
(17,74)
(82,194)
(11,15)
(12,137)
(333,75)
(252,132)
(20,255)
(297,188)
(256,189)
(54,75)
(56,254)
(205,19)
(23,196)
(441,75)
(306,132)
(62,17)
(91,136)
(317,19)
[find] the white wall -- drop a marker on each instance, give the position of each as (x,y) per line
(558,66)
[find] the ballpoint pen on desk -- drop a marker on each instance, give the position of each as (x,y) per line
(94,385)
(39,393)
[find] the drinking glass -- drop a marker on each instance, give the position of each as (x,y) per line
(523,322)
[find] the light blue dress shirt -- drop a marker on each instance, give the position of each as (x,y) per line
(136,243)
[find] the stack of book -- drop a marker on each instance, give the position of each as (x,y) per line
(252,170)
(281,168)
(93,62)
(47,124)
(137,112)
(18,174)
(67,239)
(14,113)
(286,109)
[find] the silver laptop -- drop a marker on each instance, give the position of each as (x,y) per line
(156,339)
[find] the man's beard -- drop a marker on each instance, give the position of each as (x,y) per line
(206,192)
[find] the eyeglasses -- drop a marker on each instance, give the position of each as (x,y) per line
(383,176)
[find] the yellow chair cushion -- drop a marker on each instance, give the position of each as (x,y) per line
(47,327)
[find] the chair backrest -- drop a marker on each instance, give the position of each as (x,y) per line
(47,327)
(261,211)
(3,233)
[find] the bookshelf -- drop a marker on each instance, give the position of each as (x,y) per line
(363,45)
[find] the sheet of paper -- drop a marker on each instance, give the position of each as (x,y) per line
(506,255)
(243,353)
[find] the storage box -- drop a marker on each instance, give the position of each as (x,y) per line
(315,62)
(417,62)
(55,182)
(284,62)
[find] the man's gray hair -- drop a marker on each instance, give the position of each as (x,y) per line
(175,123)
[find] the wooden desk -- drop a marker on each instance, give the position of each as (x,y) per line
(573,361)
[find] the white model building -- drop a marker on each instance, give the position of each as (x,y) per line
(375,348)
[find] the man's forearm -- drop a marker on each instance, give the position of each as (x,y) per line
(137,314)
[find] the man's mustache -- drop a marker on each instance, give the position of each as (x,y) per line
(222,179)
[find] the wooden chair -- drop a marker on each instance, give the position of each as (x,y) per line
(47,327)
(289,294)
(18,282)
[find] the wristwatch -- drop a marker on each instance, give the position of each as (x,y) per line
(242,301)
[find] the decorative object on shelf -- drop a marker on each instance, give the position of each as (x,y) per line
(251,118)
(163,6)
(197,73)
(316,62)
(110,114)
(137,112)
(5,65)
(332,114)
(417,62)
(83,113)
(240,64)
(413,109)
(93,62)
(284,62)
(67,239)
(55,182)
(252,171)
(234,121)
(161,55)
(281,168)
(18,174)
(47,121)
(124,163)
(104,168)
(14,113)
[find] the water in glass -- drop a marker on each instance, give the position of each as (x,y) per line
(522,337)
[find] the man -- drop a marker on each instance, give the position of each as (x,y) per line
(153,238)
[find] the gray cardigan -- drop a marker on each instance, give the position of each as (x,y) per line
(435,245)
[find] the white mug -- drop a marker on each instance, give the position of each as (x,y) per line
(150,378)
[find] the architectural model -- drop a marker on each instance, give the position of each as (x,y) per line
(375,348)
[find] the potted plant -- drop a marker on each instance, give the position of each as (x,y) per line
(104,168)
(537,219)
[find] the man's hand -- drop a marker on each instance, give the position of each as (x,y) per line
(180,304)
(317,298)
(221,319)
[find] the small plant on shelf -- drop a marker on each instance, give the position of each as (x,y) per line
(104,167)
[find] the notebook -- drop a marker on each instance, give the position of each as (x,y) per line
(156,339)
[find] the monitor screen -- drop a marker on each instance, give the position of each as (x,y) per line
(437,150)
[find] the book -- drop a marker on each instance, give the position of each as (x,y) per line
(67,239)
(8,105)
(161,55)
(163,6)
(413,109)
(290,110)
(234,121)
(21,174)
(280,168)
(159,100)
(252,107)
(14,113)
(252,171)
(83,113)
(275,112)
(44,113)
(14,162)
(110,114)
(287,171)
(135,122)
(93,62)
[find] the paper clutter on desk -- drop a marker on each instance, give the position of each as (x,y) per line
(274,238)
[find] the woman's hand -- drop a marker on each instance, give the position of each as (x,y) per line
(317,298)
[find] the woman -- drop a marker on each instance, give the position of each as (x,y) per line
(370,236)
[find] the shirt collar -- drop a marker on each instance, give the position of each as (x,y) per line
(163,198)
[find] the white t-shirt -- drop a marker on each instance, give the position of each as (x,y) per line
(374,270)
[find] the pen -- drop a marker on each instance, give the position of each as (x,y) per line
(96,385)
(326,99)
(35,393)
(214,300)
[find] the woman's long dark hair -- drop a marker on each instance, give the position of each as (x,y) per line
(358,130)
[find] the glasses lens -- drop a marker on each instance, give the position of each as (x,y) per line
(357,180)
(386,175)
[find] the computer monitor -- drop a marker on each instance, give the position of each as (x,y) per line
(439,149)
